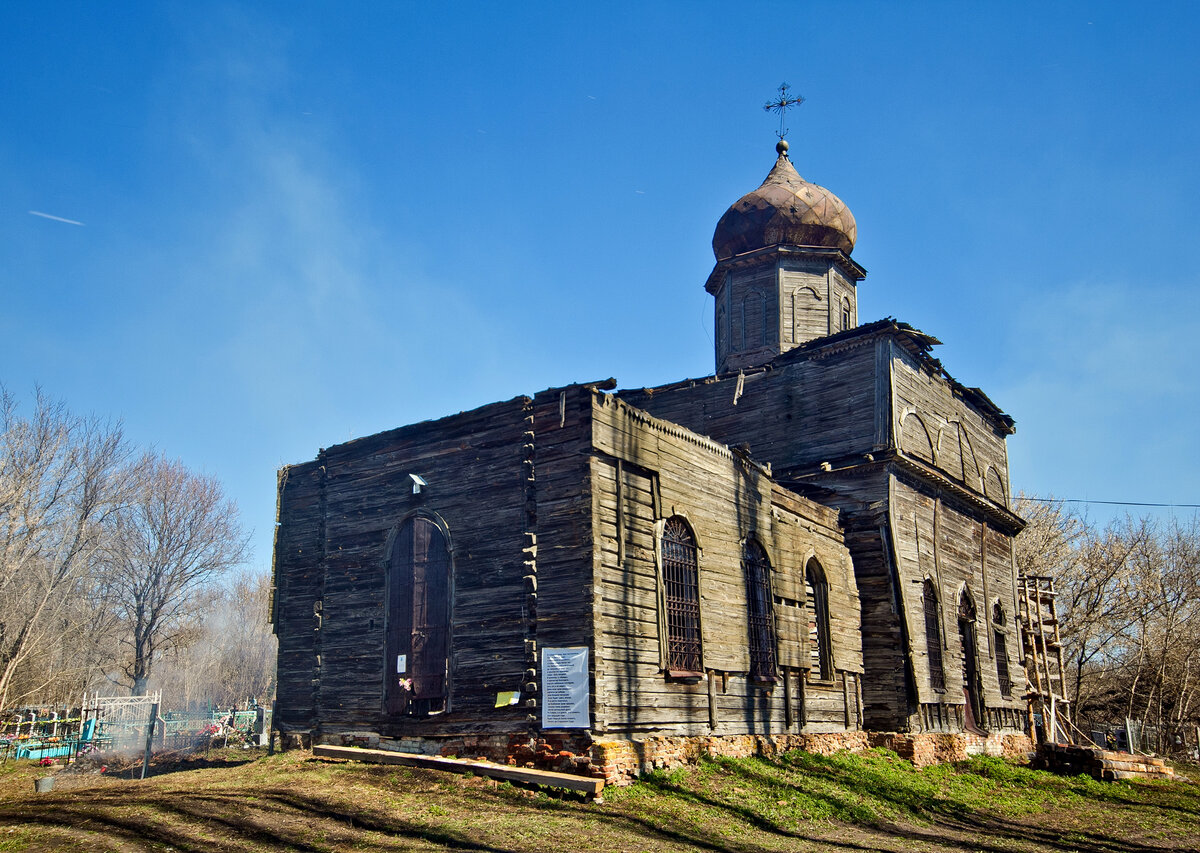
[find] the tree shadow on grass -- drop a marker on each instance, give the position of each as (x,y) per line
(386,808)
(976,829)
(241,819)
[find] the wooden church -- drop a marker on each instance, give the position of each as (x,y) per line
(811,548)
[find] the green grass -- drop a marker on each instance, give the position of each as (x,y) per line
(879,788)
(799,801)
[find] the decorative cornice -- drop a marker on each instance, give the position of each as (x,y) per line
(756,257)
(674,430)
(924,475)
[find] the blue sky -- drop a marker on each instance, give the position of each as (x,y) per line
(307,222)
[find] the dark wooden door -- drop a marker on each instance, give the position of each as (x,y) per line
(971,692)
(418,631)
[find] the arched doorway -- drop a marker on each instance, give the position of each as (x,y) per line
(418,620)
(972,689)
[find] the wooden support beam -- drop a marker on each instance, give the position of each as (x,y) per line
(589,786)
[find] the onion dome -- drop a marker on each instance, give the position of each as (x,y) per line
(785,209)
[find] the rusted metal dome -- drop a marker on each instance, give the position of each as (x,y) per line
(785,209)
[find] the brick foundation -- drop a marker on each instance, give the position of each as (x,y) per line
(622,761)
(926,748)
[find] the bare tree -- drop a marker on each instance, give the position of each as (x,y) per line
(1129,607)
(168,547)
(59,480)
(234,658)
(247,660)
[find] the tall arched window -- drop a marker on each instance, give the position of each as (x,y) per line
(760,618)
(418,620)
(816,606)
(1000,635)
(845,313)
(682,598)
(933,637)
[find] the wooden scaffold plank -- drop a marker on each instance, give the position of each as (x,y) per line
(587,785)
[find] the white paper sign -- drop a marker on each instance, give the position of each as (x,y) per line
(401,663)
(566,699)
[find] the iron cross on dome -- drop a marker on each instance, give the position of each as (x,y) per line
(781,106)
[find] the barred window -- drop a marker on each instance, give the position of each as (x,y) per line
(682,595)
(760,619)
(933,638)
(816,606)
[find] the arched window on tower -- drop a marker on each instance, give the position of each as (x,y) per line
(1000,636)
(681,595)
(770,323)
(816,607)
(845,313)
(754,332)
(760,617)
(933,637)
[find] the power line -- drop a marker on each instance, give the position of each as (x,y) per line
(1108,503)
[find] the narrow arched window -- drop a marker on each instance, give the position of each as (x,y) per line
(845,313)
(933,637)
(416,663)
(770,323)
(760,618)
(1000,636)
(816,606)
(682,598)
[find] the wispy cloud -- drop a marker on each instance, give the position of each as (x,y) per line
(55,218)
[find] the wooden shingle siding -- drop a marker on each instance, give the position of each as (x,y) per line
(657,465)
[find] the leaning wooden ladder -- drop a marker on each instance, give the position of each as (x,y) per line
(1046,691)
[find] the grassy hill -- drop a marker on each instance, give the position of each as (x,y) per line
(242,801)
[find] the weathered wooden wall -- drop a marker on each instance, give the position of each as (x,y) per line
(934,423)
(562,502)
(834,401)
(846,416)
(475,466)
(298,578)
(768,302)
(648,470)
(798,414)
(550,505)
(936,539)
